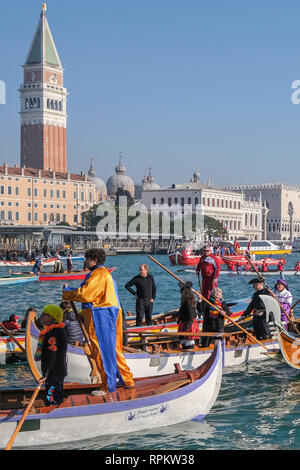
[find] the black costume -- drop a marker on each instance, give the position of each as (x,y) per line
(145,291)
(213,320)
(260,325)
(52,350)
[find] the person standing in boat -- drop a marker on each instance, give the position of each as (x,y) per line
(69,263)
(52,352)
(145,294)
(187,318)
(285,298)
(102,313)
(209,267)
(213,319)
(257,307)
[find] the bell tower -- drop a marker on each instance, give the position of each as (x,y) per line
(43,104)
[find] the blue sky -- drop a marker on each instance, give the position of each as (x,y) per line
(175,84)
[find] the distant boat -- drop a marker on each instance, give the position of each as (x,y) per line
(265,247)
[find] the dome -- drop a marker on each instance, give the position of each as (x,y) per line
(148,182)
(101,186)
(196,177)
(120,180)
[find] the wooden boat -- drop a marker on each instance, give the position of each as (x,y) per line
(9,350)
(290,347)
(153,402)
(73,276)
(156,356)
(11,264)
(13,279)
(235,262)
(273,272)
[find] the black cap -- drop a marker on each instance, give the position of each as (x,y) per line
(257,280)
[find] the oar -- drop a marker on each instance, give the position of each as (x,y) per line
(12,337)
(273,295)
(296,303)
(26,412)
(87,348)
(214,306)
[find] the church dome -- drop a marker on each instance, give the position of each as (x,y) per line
(148,182)
(120,180)
(196,177)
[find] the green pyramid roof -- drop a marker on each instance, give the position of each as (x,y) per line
(43,48)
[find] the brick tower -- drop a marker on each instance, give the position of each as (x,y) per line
(43,104)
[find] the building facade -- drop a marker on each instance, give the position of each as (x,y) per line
(240,217)
(35,197)
(43,104)
(282,201)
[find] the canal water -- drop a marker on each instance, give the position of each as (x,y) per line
(258,406)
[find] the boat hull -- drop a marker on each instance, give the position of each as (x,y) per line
(143,363)
(290,348)
(79,421)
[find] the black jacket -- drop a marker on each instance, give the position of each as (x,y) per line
(187,314)
(73,328)
(145,287)
(256,303)
(215,324)
(54,354)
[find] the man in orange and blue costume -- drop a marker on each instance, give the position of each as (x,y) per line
(102,315)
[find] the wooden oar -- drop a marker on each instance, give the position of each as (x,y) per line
(212,305)
(296,303)
(87,347)
(12,337)
(267,287)
(26,412)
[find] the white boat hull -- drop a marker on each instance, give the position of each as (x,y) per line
(118,417)
(145,364)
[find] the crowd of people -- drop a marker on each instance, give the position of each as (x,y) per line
(103,318)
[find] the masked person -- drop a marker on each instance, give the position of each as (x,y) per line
(102,315)
(257,307)
(52,352)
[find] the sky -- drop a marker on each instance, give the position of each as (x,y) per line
(177,85)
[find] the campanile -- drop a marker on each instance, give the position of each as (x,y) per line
(43,104)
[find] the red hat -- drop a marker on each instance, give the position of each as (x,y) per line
(14,317)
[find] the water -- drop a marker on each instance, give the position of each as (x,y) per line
(258,406)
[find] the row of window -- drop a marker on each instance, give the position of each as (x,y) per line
(55,105)
(249,220)
(45,181)
(208,202)
(51,218)
(284,227)
(32,103)
(45,193)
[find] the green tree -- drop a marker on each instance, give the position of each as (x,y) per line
(214,228)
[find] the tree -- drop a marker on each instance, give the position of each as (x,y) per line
(214,228)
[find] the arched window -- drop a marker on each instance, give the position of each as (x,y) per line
(60,106)
(196,201)
(38,103)
(48,103)
(2,215)
(52,104)
(9,215)
(154,200)
(56,107)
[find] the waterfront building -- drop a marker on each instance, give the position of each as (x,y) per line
(29,196)
(241,218)
(282,204)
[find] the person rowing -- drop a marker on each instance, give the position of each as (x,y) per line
(257,307)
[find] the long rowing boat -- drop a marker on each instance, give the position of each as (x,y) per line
(290,347)
(152,403)
(157,356)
